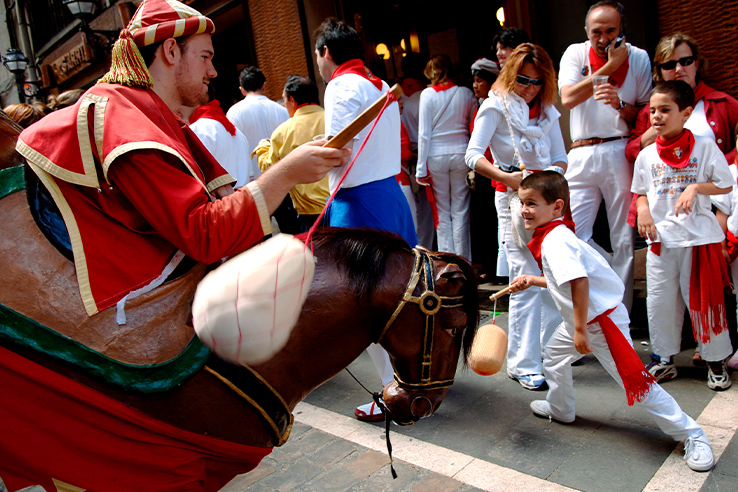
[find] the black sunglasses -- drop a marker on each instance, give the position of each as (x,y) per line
(671,64)
(526,81)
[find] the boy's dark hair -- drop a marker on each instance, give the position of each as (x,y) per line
(342,41)
(551,185)
(608,3)
(678,90)
(302,89)
(251,79)
(511,37)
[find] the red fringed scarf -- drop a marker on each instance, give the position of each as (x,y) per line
(213,111)
(443,86)
(636,379)
(618,77)
(357,67)
(540,234)
(700,91)
(706,299)
(676,152)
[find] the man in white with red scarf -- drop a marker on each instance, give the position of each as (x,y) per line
(600,126)
(369,196)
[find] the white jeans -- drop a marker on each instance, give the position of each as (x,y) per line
(502,202)
(667,278)
(602,171)
(558,357)
(453,198)
(533,316)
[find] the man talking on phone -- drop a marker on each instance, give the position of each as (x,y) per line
(600,122)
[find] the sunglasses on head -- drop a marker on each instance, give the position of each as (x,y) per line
(671,64)
(526,81)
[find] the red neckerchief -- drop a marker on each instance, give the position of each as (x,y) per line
(636,379)
(706,298)
(618,76)
(213,111)
(540,234)
(535,110)
(443,86)
(305,104)
(357,67)
(701,90)
(676,152)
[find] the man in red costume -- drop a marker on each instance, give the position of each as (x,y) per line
(133,183)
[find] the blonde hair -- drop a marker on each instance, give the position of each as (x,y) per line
(65,99)
(439,69)
(528,53)
(24,114)
(665,50)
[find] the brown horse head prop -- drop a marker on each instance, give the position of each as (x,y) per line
(425,351)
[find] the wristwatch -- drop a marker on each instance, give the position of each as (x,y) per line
(621,106)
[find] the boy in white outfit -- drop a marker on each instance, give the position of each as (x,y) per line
(674,178)
(589,294)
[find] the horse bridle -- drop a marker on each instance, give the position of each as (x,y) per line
(429,303)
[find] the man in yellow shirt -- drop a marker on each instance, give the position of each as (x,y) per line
(307,119)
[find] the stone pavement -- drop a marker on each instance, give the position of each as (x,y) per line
(484,437)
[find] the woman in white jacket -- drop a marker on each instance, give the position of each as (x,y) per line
(446,110)
(520,113)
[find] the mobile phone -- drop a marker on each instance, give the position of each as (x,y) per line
(618,42)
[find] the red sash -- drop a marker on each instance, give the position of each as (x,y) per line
(618,77)
(676,152)
(636,379)
(213,111)
(357,67)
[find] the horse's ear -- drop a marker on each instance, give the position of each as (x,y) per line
(451,272)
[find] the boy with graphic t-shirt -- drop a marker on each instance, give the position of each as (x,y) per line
(674,178)
(589,295)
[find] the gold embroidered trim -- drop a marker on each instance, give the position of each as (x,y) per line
(261,206)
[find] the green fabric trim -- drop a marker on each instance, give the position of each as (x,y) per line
(11,180)
(146,378)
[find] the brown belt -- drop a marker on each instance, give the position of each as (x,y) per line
(594,141)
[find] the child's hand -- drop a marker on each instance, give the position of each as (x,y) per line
(686,200)
(521,283)
(581,342)
(646,225)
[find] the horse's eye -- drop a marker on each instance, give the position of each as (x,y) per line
(451,331)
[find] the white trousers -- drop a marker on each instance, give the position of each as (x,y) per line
(381,361)
(533,316)
(502,204)
(558,357)
(667,278)
(602,171)
(453,198)
(422,215)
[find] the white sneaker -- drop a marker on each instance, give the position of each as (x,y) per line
(541,408)
(698,453)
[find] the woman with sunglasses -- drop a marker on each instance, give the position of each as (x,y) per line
(446,111)
(521,107)
(715,113)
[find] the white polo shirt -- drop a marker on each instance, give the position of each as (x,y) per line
(592,118)
(231,151)
(346,97)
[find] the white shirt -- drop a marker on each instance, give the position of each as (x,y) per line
(450,134)
(697,122)
(565,257)
(729,203)
(592,118)
(663,185)
(346,97)
(231,151)
(490,129)
(409,117)
(257,117)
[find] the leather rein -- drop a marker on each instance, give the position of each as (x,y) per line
(429,303)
